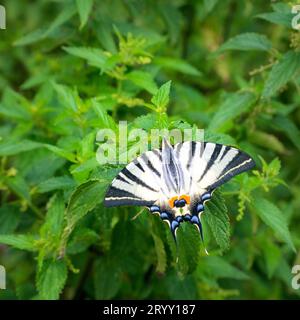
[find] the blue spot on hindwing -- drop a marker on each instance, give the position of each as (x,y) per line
(206,196)
(154,209)
(164,216)
(200,207)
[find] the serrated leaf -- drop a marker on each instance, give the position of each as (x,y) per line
(188,239)
(65,15)
(246,42)
(215,215)
(177,64)
(274,218)
(84,8)
(19,241)
(31,37)
(94,56)
(56,183)
(15,147)
(218,267)
(280,18)
(161,97)
(281,73)
(67,96)
(85,198)
(143,80)
(51,279)
(54,218)
(233,106)
(61,152)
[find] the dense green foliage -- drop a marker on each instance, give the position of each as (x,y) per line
(69,68)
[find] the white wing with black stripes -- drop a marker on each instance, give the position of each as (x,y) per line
(175,182)
(212,164)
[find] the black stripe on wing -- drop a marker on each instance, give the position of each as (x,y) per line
(133,178)
(212,159)
(118,197)
(240,163)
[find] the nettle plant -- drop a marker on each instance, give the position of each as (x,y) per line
(52,186)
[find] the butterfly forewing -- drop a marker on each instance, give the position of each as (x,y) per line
(211,164)
(139,183)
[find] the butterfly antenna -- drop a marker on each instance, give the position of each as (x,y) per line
(138,214)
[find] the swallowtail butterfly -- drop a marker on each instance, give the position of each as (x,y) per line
(176,181)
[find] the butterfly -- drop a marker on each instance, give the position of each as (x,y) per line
(176,181)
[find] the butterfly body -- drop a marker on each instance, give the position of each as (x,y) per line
(176,181)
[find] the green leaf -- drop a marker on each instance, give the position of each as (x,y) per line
(161,254)
(61,152)
(161,97)
(177,64)
(94,56)
(106,287)
(188,255)
(172,17)
(81,239)
(15,147)
(56,183)
(55,217)
(15,106)
(19,241)
(215,216)
(69,98)
(51,279)
(266,139)
(280,18)
(65,15)
(19,186)
(85,198)
(158,235)
(218,267)
(272,255)
(106,121)
(31,37)
(143,80)
(37,35)
(287,126)
(281,73)
(274,218)
(233,106)
(183,289)
(84,8)
(205,7)
(10,217)
(247,41)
